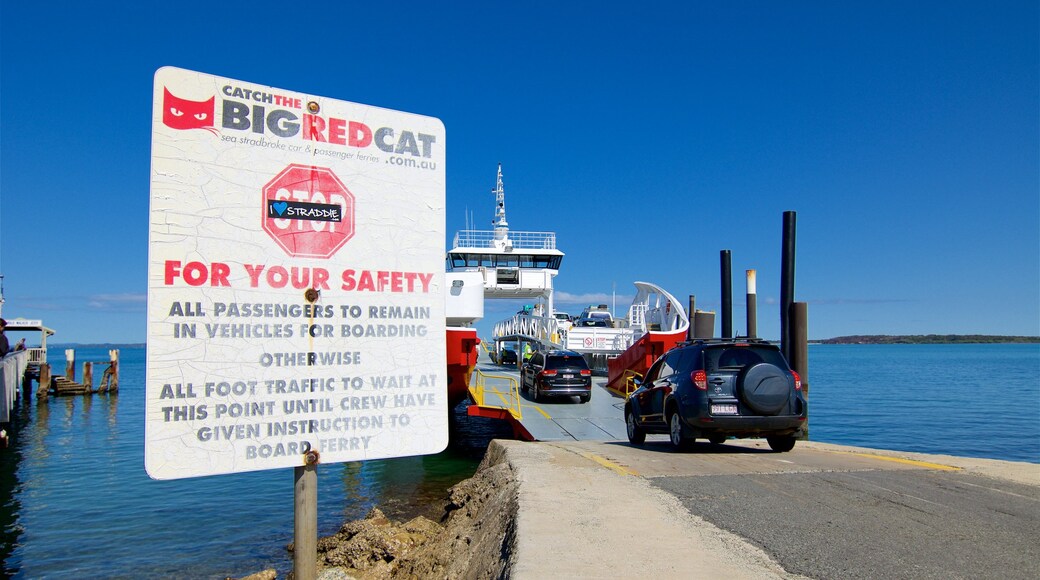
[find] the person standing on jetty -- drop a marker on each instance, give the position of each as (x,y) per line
(5,346)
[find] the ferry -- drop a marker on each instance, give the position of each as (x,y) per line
(506,264)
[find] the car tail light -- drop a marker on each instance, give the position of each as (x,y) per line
(700,380)
(548,373)
(797,381)
(586,373)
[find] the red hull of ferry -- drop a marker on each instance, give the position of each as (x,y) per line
(462,358)
(640,356)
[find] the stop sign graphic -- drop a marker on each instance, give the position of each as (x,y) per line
(308,211)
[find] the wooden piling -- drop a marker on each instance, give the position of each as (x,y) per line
(110,378)
(800,348)
(27,379)
(44,385)
(113,369)
(88,377)
(70,364)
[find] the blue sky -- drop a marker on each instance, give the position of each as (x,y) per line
(649,136)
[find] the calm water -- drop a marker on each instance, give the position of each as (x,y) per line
(976,400)
(76,499)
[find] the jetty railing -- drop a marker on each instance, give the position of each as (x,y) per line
(11,375)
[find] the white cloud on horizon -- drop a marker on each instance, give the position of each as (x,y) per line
(591,298)
(126,302)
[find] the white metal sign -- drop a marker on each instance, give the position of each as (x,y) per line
(295,280)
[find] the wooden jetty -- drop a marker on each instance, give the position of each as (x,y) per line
(67,385)
(23,365)
(26,366)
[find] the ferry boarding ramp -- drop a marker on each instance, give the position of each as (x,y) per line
(541,332)
(655,322)
(654,316)
(503,264)
(496,394)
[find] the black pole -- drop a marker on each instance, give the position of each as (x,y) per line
(787,282)
(690,333)
(727,295)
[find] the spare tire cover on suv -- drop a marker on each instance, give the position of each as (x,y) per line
(765,388)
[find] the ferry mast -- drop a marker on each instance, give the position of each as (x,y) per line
(506,264)
(501,225)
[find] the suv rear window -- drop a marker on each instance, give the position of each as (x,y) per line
(597,323)
(562,361)
(738,357)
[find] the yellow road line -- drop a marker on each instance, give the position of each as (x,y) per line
(924,464)
(610,464)
(539,409)
(536,408)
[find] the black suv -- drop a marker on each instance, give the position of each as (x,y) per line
(557,373)
(718,389)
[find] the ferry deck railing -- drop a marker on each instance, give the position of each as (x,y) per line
(637,318)
(506,387)
(628,383)
(520,240)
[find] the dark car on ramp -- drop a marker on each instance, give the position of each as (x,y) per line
(507,357)
(715,389)
(557,373)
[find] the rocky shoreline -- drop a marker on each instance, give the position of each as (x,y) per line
(473,538)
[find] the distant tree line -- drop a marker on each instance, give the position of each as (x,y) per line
(929,339)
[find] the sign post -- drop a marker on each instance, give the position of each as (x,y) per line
(305,518)
(295,282)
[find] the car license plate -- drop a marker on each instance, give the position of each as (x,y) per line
(723,409)
(567,376)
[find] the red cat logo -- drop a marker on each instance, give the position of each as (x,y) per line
(183,114)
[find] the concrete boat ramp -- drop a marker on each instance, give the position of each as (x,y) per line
(594,509)
(742,511)
(558,419)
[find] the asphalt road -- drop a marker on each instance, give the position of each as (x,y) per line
(824,513)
